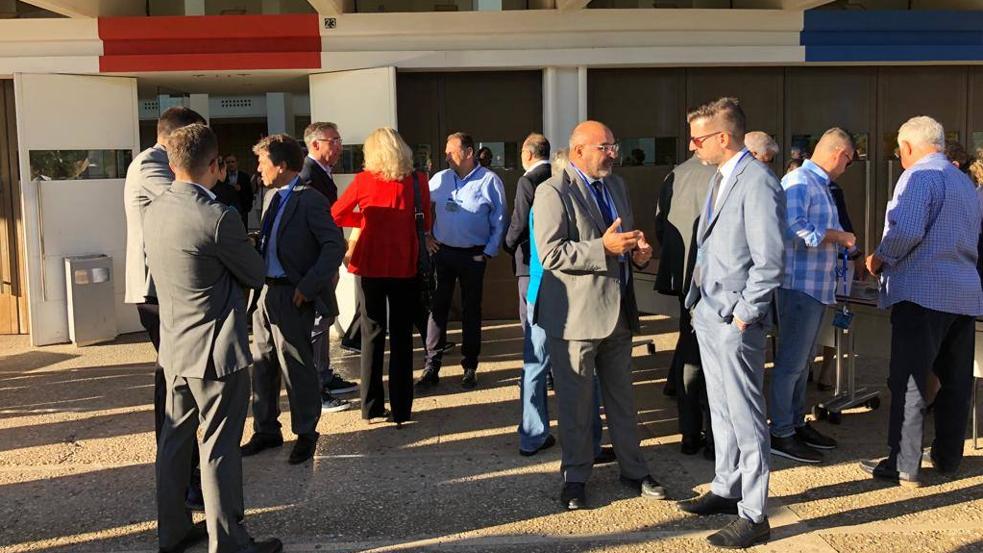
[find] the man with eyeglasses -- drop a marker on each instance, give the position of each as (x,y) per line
(323,150)
(739,264)
(585,238)
(815,247)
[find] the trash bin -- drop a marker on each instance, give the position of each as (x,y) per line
(91,302)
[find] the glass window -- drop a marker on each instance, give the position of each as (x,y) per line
(504,155)
(351,161)
(423,157)
(638,152)
(79,164)
(977,142)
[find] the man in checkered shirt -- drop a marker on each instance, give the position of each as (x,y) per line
(927,267)
(813,241)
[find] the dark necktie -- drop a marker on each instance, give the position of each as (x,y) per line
(268,222)
(602,202)
(718,178)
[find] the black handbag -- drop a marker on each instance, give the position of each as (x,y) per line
(424,266)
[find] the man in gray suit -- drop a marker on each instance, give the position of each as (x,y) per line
(740,262)
(586,241)
(201,258)
(147,177)
(302,248)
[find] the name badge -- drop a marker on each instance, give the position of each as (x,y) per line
(451,205)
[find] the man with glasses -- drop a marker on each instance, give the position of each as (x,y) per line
(815,255)
(469,203)
(323,150)
(239,181)
(739,264)
(585,238)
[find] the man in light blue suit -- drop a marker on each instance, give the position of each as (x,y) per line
(740,263)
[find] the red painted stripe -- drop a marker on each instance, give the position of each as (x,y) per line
(210,43)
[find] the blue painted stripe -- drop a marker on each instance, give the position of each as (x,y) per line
(894,53)
(915,20)
(892,38)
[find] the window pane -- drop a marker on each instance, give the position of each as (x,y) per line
(79,164)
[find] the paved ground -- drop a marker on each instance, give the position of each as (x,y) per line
(76,471)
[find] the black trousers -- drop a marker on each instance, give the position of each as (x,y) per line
(395,299)
(924,340)
(149,314)
(451,265)
(353,335)
(691,389)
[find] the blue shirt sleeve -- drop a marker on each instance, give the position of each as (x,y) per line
(908,215)
(797,201)
(496,217)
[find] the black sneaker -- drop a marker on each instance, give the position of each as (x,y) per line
(331,404)
(928,456)
(741,534)
(709,504)
(792,448)
(430,379)
(881,470)
(646,487)
(812,438)
(338,385)
(470,379)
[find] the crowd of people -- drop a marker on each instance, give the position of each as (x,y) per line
(743,251)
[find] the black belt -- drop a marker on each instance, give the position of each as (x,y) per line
(282,281)
(469,249)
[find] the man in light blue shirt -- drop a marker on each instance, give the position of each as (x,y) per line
(469,204)
(927,266)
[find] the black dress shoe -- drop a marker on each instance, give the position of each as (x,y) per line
(813,438)
(267,546)
(794,449)
(194,500)
(470,379)
(197,534)
(740,534)
(646,486)
(709,504)
(303,449)
(549,442)
(574,496)
(430,379)
(606,456)
(691,444)
(882,470)
(259,442)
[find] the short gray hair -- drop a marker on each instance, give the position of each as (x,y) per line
(537,145)
(760,143)
(316,128)
(923,130)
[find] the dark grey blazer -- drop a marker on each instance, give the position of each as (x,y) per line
(310,246)
(201,258)
(517,236)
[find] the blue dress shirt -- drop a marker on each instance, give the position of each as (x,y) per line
(273,267)
(930,236)
(470,211)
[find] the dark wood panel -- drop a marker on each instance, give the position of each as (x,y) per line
(13,293)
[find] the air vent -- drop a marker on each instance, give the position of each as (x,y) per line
(234,103)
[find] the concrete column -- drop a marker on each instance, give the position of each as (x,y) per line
(199,103)
(194,7)
(564,102)
(279,113)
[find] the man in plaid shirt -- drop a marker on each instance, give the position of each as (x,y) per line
(813,240)
(927,266)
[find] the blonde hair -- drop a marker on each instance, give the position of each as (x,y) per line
(387,155)
(976,168)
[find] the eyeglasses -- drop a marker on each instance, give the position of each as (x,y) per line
(336,140)
(699,140)
(606,148)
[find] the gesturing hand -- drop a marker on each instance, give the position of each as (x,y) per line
(643,252)
(617,243)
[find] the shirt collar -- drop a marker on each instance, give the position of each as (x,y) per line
(587,179)
(815,169)
(537,164)
(728,167)
(207,192)
(290,186)
(327,168)
(467,177)
(932,157)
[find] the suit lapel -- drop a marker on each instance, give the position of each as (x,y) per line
(585,197)
(289,210)
(738,171)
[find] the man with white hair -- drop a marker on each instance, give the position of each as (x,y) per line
(927,266)
(814,242)
(761,145)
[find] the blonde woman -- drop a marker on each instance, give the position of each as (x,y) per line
(385,257)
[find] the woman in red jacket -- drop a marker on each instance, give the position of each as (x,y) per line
(385,257)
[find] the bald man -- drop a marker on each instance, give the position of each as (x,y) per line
(588,246)
(814,244)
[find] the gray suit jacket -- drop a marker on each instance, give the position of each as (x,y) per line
(201,258)
(310,246)
(147,177)
(580,295)
(741,259)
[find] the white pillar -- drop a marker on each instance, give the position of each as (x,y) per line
(279,113)
(564,102)
(488,5)
(199,103)
(194,7)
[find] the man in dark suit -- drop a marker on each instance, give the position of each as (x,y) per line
(323,150)
(683,195)
(147,177)
(201,259)
(303,249)
(535,157)
(239,181)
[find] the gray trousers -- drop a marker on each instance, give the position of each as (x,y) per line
(282,350)
(734,369)
(574,364)
(219,406)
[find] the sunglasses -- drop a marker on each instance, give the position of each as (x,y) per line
(699,140)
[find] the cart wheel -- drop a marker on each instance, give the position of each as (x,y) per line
(819,413)
(873,403)
(835,418)
(651,348)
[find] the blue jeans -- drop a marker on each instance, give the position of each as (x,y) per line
(799,319)
(535,424)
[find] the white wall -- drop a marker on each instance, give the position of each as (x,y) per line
(65,218)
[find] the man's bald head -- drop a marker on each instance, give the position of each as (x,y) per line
(834,138)
(590,132)
(834,152)
(593,149)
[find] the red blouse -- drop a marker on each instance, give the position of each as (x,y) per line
(388,244)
